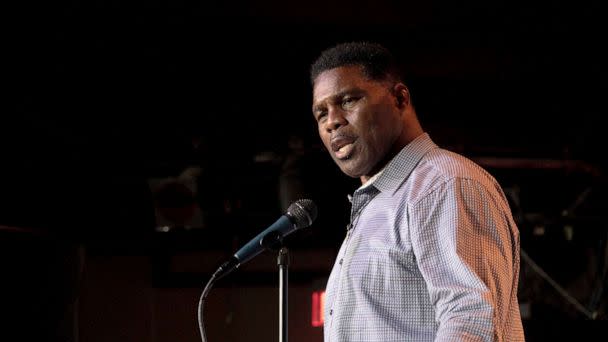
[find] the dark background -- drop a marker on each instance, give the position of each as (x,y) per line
(104,96)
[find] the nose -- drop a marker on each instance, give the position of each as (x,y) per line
(335,119)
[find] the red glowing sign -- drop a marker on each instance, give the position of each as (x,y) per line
(318,301)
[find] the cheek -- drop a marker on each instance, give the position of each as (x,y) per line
(379,136)
(374,133)
(324,138)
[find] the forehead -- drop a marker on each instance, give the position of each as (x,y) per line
(339,79)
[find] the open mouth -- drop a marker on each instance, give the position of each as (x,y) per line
(342,146)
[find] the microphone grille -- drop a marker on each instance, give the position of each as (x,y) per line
(303,212)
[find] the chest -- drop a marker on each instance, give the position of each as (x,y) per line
(378,243)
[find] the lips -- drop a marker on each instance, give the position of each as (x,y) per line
(342,145)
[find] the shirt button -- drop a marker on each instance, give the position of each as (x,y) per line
(341,260)
(331,312)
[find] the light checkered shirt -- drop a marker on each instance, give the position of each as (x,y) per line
(431,254)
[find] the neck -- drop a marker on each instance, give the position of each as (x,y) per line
(410,132)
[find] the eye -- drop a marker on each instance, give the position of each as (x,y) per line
(349,101)
(321,115)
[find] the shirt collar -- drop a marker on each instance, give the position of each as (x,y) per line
(365,185)
(398,169)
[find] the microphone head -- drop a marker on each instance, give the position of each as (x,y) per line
(302,212)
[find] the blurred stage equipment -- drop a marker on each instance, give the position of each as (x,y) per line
(558,207)
(176,201)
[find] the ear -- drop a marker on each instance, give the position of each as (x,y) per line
(402,94)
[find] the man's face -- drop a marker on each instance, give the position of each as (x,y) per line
(358,119)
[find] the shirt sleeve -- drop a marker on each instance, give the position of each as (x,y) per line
(461,237)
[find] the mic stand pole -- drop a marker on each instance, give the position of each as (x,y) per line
(274,241)
(283,263)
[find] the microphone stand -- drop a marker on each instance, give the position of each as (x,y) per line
(283,263)
(274,241)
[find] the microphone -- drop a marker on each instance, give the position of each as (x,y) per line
(300,214)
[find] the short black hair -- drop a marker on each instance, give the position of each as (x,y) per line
(378,62)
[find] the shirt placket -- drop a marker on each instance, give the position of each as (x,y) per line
(358,201)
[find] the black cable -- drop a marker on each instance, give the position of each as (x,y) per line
(201,302)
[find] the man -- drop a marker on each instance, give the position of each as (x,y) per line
(432,251)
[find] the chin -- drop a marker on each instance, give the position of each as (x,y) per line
(353,171)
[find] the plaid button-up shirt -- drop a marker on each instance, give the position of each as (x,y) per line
(431,254)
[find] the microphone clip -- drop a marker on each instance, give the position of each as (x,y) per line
(272,241)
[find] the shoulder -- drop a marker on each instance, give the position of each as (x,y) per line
(441,169)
